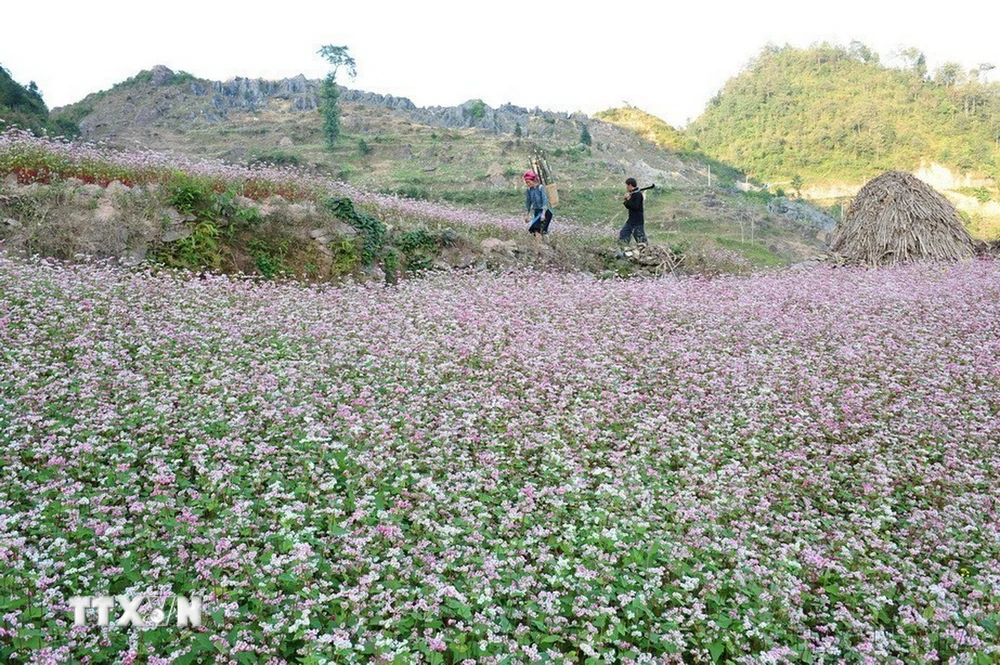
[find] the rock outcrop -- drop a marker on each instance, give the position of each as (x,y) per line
(252,95)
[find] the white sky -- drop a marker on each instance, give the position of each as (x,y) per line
(667,58)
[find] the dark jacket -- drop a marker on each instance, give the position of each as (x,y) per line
(634,205)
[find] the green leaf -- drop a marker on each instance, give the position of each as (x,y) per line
(716,649)
(12,603)
(336,529)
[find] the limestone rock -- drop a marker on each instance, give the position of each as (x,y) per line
(496,245)
(134,257)
(373,273)
(176,234)
(162,75)
(175,218)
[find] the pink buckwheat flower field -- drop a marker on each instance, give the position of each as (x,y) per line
(32,159)
(788,467)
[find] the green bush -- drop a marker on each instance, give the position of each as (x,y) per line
(412,192)
(198,251)
(478,110)
(269,258)
(763,196)
(275,158)
(981,194)
(415,240)
(372,230)
(67,127)
(390,265)
(189,195)
(346,257)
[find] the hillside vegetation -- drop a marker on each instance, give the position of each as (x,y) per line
(470,156)
(646,125)
(831,113)
(23,106)
(73,200)
(518,457)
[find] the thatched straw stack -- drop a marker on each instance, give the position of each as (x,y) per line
(897,218)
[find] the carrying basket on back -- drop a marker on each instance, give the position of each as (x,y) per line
(553,193)
(540,166)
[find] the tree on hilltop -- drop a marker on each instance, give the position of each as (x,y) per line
(913,60)
(329,95)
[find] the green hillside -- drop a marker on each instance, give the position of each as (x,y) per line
(831,113)
(395,151)
(24,107)
(444,158)
(648,126)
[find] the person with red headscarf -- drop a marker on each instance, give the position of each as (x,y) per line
(536,202)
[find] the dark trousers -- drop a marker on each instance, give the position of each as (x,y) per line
(541,225)
(630,229)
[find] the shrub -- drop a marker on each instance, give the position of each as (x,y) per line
(981,194)
(198,251)
(763,196)
(189,195)
(372,229)
(268,257)
(275,158)
(478,110)
(413,192)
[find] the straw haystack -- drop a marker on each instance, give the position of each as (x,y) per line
(897,218)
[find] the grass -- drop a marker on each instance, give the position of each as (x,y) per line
(460,166)
(757,254)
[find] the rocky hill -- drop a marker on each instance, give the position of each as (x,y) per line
(471,155)
(244,118)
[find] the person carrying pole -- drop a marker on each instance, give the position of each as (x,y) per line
(635,225)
